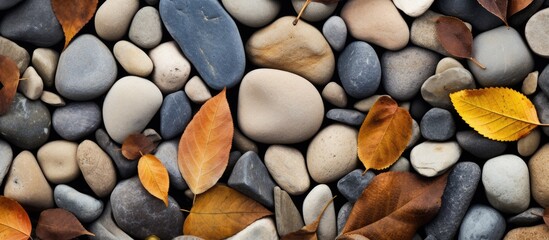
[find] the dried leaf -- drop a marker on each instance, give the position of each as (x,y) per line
(204,147)
(326,1)
(394,206)
(73,15)
(546,216)
(14,221)
(456,38)
(516,6)
(137,145)
(496,7)
(384,134)
(59,224)
(500,114)
(154,177)
(222,212)
(308,232)
(9,79)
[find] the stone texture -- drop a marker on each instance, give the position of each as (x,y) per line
(313,204)
(479,145)
(83,206)
(105,228)
(44,60)
(166,152)
(539,173)
(288,218)
(52,99)
(335,32)
(437,125)
(343,215)
(539,232)
(346,116)
(175,114)
(76,120)
(528,145)
(366,104)
(470,11)
(437,88)
(434,158)
(18,54)
(529,217)
(33,86)
(197,91)
(171,68)
(113,18)
(96,167)
(6,157)
(287,167)
(530,83)
(413,8)
(57,160)
(334,94)
(146,28)
(352,184)
(447,63)
(134,60)
(536,33)
(258,14)
(482,222)
(401,165)
(359,70)
(125,168)
(315,11)
(261,229)
(242,143)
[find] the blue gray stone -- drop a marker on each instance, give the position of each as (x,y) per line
(86,69)
(352,184)
(26,124)
(482,222)
(32,21)
(530,217)
(346,116)
(343,215)
(541,102)
(76,120)
(460,190)
(208,37)
(251,177)
(83,206)
(359,70)
(166,152)
(543,80)
(437,125)
(480,146)
(335,32)
(470,11)
(5,4)
(125,167)
(105,228)
(6,157)
(175,114)
(140,214)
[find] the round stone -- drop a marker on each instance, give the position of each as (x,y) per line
(482,222)
(76,120)
(133,59)
(539,173)
(97,168)
(83,206)
(175,114)
(313,204)
(536,33)
(197,90)
(287,167)
(436,90)
(171,68)
(434,158)
(33,86)
(44,60)
(6,157)
(447,63)
(315,11)
(359,70)
(146,28)
(257,13)
(335,32)
(334,94)
(413,8)
(437,125)
(57,160)
(113,18)
(528,145)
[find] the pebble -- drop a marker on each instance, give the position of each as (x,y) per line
(405,71)
(26,183)
(6,157)
(134,60)
(366,104)
(470,11)
(482,222)
(129,106)
(335,32)
(334,94)
(401,165)
(416,134)
(528,145)
(57,160)
(278,107)
(175,114)
(529,217)
(76,120)
(543,80)
(377,22)
(288,219)
(536,34)
(45,61)
(52,99)
(83,206)
(539,172)
(251,177)
(346,116)
(437,88)
(32,87)
(113,18)
(343,215)
(32,21)
(125,168)
(315,11)
(18,54)
(505,55)
(413,8)
(507,183)
(539,232)
(423,32)
(15,127)
(479,145)
(197,91)
(208,37)
(242,143)
(139,214)
(261,229)
(359,69)
(447,63)
(255,15)
(8,4)
(459,192)
(287,167)
(437,125)
(313,204)
(433,158)
(304,44)
(332,153)
(166,152)
(86,69)
(146,28)
(352,184)
(171,68)
(105,228)
(97,168)
(530,83)
(541,103)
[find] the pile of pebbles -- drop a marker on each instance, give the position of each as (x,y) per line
(298,95)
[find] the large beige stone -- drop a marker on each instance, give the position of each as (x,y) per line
(113,18)
(287,167)
(539,232)
(97,168)
(58,161)
(133,59)
(539,175)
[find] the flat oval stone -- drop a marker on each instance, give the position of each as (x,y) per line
(433,158)
(33,86)
(52,99)
(175,114)
(346,116)
(97,168)
(313,204)
(482,222)
(437,125)
(146,28)
(208,37)
(258,14)
(287,167)
(83,206)
(539,172)
(335,32)
(129,106)
(335,94)
(86,69)
(480,146)
(436,89)
(57,160)
(8,4)
(273,45)
(197,91)
(447,63)
(113,18)
(125,168)
(171,68)
(6,157)
(359,70)
(315,11)
(166,152)
(76,120)
(278,107)
(18,54)
(528,145)
(44,60)
(133,59)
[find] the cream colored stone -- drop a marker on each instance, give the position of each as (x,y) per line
(539,173)
(261,229)
(113,18)
(335,94)
(287,167)
(433,158)
(52,99)
(447,63)
(413,8)
(197,90)
(315,11)
(133,59)
(528,145)
(171,68)
(252,13)
(538,232)
(44,60)
(530,83)
(366,104)
(313,204)
(31,84)
(58,161)
(97,168)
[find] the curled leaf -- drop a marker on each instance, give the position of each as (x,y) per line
(58,224)
(137,145)
(496,7)
(73,15)
(515,6)
(308,232)
(14,221)
(9,79)
(154,177)
(456,38)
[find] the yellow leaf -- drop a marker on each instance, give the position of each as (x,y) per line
(14,221)
(501,114)
(154,177)
(384,134)
(73,15)
(205,145)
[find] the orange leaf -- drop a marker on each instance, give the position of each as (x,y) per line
(73,15)
(456,38)
(384,134)
(59,223)
(222,212)
(204,147)
(137,145)
(154,177)
(9,79)
(14,221)
(516,6)
(496,7)
(308,232)
(394,206)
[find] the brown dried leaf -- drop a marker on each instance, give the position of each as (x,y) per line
(59,224)
(73,15)
(154,177)
(308,232)
(546,216)
(516,6)
(496,7)
(9,79)
(137,145)
(456,38)
(15,224)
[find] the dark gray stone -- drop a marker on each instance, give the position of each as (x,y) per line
(482,222)
(343,215)
(208,37)
(288,219)
(105,228)
(460,190)
(480,146)
(32,21)
(233,158)
(140,214)
(541,102)
(175,114)
(346,116)
(5,4)
(250,177)
(530,217)
(335,32)
(6,157)
(125,167)
(437,125)
(83,206)
(359,70)
(76,120)
(167,154)
(418,108)
(352,184)
(26,124)
(470,11)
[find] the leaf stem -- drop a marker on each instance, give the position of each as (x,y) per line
(325,207)
(543,124)
(476,62)
(301,11)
